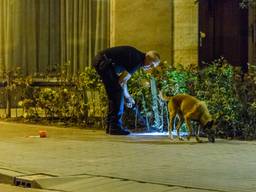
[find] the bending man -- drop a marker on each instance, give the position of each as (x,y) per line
(115,66)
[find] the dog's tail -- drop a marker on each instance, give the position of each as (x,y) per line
(164,97)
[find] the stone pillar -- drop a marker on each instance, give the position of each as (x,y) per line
(145,24)
(185,32)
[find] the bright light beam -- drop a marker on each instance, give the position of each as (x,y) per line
(174,133)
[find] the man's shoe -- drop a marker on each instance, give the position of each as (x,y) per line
(118,131)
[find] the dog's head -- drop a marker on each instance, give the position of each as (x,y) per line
(210,130)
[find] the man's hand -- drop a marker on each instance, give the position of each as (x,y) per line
(124,77)
(130,102)
(128,98)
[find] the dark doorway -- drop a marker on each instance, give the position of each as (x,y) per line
(223,31)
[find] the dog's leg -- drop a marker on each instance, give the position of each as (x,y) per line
(188,124)
(181,120)
(172,116)
(197,135)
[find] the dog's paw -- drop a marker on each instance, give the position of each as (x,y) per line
(170,137)
(199,140)
(181,139)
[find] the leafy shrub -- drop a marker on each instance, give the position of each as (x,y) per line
(246,93)
(70,101)
(247,3)
(230,99)
(216,88)
(170,81)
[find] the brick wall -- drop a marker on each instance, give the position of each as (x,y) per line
(169,26)
(145,24)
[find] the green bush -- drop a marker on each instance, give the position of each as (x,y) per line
(230,99)
(216,88)
(246,94)
(70,101)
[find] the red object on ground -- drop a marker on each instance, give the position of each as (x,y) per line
(43,133)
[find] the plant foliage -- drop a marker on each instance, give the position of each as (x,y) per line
(230,98)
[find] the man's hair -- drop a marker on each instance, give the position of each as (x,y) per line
(154,55)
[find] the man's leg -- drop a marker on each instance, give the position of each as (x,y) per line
(116,102)
(116,108)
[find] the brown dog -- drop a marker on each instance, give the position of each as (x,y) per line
(189,108)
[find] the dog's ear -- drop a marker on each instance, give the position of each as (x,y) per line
(162,96)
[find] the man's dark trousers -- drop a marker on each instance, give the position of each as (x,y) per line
(114,91)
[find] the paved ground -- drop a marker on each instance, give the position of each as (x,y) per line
(85,160)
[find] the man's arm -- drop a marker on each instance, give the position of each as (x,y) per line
(129,100)
(126,92)
(124,77)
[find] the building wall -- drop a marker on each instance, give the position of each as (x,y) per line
(145,24)
(185,49)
